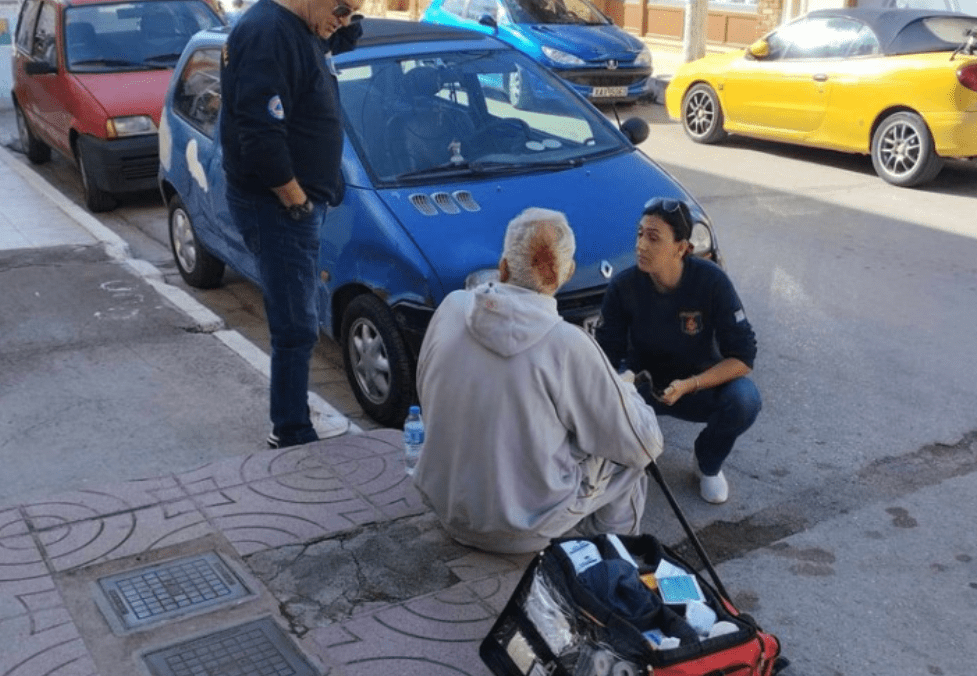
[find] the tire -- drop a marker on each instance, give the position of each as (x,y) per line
(702,115)
(96,199)
(519,96)
(902,151)
(36,150)
(378,365)
(197,266)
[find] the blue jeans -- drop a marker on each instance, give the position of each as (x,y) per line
(287,252)
(727,410)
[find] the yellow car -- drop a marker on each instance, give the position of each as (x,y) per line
(898,84)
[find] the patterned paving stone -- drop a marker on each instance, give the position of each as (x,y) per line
(247,469)
(286,510)
(85,542)
(496,591)
(90,503)
(381,480)
(11,522)
(433,635)
(43,644)
(25,583)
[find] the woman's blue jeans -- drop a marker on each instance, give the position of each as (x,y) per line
(727,410)
(287,252)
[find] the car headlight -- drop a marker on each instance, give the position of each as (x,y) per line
(643,59)
(133,125)
(701,238)
(481,277)
(562,58)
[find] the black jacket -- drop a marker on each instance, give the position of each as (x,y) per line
(280,113)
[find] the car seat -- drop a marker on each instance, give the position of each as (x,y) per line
(82,43)
(430,133)
(158,34)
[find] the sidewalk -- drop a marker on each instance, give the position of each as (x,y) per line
(329,538)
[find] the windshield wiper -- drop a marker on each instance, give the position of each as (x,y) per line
(477,167)
(107,62)
(168,58)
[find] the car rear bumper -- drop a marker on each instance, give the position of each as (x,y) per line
(122,165)
(954,133)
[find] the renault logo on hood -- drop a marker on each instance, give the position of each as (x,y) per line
(606,269)
(611,64)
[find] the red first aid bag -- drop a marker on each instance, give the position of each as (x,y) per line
(584,607)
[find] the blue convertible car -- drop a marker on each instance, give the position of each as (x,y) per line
(437,161)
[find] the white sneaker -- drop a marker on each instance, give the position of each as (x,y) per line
(713,489)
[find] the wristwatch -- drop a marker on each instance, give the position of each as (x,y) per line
(297,212)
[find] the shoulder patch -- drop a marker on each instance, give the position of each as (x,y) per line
(275,107)
(740,316)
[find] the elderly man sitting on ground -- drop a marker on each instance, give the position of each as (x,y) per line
(530,431)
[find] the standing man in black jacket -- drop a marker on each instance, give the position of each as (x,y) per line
(282,137)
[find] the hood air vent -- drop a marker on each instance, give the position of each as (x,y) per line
(452,203)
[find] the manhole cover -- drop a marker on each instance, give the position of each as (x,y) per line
(171,589)
(258,648)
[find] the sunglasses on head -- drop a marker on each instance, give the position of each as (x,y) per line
(341,10)
(666,207)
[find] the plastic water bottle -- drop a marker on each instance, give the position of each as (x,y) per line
(413,438)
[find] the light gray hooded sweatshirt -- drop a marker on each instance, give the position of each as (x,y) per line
(516,403)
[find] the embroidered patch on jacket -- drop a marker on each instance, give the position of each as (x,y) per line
(276,108)
(691,322)
(739,316)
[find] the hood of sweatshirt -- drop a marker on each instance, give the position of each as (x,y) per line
(509,319)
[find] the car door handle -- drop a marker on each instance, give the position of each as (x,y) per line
(820,77)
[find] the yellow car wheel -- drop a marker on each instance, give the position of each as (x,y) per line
(702,115)
(903,152)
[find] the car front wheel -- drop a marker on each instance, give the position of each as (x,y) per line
(198,268)
(702,116)
(36,150)
(902,151)
(96,199)
(377,362)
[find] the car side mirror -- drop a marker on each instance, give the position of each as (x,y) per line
(759,49)
(489,20)
(40,68)
(636,129)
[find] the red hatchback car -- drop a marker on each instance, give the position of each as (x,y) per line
(89,81)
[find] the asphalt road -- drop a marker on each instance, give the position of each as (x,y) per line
(863,298)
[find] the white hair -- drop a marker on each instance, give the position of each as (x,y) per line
(518,250)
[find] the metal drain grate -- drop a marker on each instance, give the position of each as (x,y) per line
(258,648)
(170,589)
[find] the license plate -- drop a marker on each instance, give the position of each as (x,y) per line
(609,92)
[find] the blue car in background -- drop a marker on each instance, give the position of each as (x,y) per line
(437,161)
(572,38)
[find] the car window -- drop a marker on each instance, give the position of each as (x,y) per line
(43,45)
(865,43)
(476,9)
(197,94)
(132,35)
(26,23)
(412,118)
(456,7)
(814,38)
(555,11)
(932,34)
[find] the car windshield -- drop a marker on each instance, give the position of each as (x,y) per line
(933,34)
(467,114)
(555,11)
(132,35)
